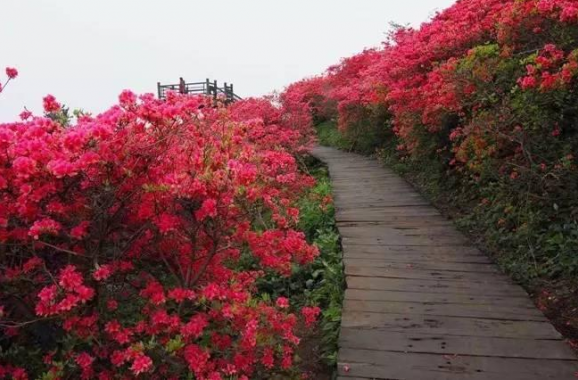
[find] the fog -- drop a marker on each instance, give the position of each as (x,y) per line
(85,52)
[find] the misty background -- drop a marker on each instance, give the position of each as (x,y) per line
(85,52)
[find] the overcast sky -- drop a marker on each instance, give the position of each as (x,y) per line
(85,52)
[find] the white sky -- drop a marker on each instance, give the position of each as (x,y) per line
(85,52)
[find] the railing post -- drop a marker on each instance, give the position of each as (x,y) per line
(209,88)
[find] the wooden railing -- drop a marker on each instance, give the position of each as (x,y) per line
(208,88)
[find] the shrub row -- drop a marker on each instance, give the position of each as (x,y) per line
(484,99)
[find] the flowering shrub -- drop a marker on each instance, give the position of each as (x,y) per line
(484,94)
(121,239)
(307,97)
(11,73)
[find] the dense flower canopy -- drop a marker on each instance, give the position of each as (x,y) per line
(423,76)
(131,242)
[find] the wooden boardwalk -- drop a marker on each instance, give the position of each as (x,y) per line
(421,301)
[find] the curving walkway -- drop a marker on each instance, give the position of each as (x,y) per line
(422,302)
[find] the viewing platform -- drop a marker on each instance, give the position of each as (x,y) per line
(207,88)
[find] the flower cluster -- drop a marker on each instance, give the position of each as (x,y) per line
(131,242)
(551,69)
(11,73)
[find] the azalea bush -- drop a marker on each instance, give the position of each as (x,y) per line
(481,103)
(131,243)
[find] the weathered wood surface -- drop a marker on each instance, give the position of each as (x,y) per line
(421,301)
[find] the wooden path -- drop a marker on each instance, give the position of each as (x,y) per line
(421,301)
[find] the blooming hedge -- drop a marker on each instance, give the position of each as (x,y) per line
(485,94)
(131,242)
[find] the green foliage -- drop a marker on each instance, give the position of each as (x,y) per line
(322,283)
(324,279)
(329,135)
(368,129)
(364,136)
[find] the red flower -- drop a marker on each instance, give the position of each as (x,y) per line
(102,273)
(61,168)
(70,279)
(118,358)
(127,98)
(50,104)
(194,328)
(168,223)
(310,314)
(44,226)
(11,72)
(180,294)
(155,292)
(268,359)
(569,14)
(24,167)
(84,360)
(19,374)
(282,302)
(141,364)
(84,293)
(196,358)
(25,115)
(80,230)
(528,82)
(208,209)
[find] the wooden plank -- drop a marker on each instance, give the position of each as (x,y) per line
(482,311)
(384,231)
(399,365)
(399,222)
(377,213)
(347,188)
(417,274)
(392,240)
(458,251)
(371,178)
(440,287)
(448,326)
(435,298)
(418,258)
(454,345)
(414,254)
(404,263)
(362,195)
